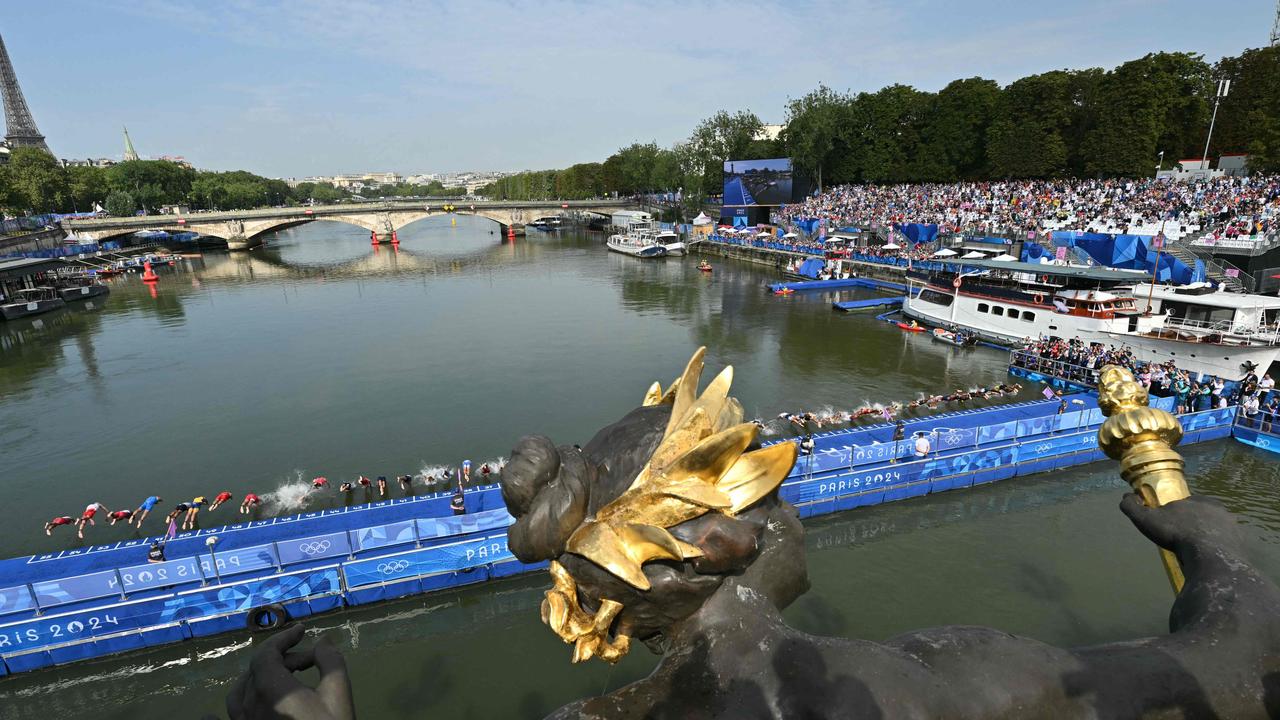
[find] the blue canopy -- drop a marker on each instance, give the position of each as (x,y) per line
(918,232)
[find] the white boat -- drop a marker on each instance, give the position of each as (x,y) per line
(638,241)
(670,240)
(1008,302)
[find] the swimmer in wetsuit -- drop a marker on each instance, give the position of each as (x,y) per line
(144,509)
(320,483)
(406,482)
(87,517)
(120,515)
(382,486)
(57,522)
(364,482)
(223,496)
(193,509)
(345,488)
(250,500)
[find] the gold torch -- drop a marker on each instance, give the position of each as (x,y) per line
(1142,439)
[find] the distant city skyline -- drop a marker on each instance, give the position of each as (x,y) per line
(350,86)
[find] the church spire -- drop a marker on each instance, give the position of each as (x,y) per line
(129,152)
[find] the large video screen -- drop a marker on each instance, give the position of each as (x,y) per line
(757,182)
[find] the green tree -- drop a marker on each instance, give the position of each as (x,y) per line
(35,182)
(152,182)
(817,125)
(1026,137)
(954,136)
(1249,117)
(86,186)
(1158,102)
(721,137)
(120,204)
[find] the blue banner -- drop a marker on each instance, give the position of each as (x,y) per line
(838,486)
(237,560)
(1050,446)
(316,547)
(156,575)
(998,431)
(384,535)
(68,627)
(427,561)
(245,596)
(15,599)
(75,589)
(450,525)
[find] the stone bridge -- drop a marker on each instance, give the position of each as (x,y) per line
(243,229)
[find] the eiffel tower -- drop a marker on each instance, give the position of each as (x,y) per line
(20,127)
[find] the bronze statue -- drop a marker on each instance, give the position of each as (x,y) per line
(667,528)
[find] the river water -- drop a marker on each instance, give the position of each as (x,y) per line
(317,355)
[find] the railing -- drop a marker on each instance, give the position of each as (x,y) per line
(1260,333)
(1081,374)
(1250,245)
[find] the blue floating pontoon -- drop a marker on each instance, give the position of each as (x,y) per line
(869,303)
(90,602)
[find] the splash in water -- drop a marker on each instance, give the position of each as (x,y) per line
(291,495)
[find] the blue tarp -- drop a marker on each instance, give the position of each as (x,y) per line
(1132,252)
(811,266)
(808,225)
(918,232)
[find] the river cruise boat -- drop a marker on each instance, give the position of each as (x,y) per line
(1007,302)
(30,301)
(638,241)
(80,288)
(546,224)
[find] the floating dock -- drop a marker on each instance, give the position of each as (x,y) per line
(852,305)
(841,284)
(91,602)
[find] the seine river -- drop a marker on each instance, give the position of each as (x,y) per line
(318,356)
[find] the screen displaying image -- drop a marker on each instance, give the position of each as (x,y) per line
(757,182)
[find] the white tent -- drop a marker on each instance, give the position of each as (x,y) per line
(945,252)
(702,219)
(974,255)
(764,234)
(1005,258)
(892,246)
(790,235)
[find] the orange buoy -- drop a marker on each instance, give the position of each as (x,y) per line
(149,275)
(373,237)
(394,240)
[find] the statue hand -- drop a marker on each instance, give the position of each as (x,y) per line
(269,690)
(1195,523)
(546,490)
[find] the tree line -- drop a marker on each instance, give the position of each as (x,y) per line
(1062,123)
(34,182)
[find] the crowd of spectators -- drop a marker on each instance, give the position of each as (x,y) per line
(1080,362)
(1239,205)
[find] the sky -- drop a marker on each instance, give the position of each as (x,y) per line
(290,89)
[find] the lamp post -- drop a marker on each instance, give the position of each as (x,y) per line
(1160,163)
(213,559)
(1224,87)
(1080,414)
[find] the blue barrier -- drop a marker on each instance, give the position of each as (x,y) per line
(427,561)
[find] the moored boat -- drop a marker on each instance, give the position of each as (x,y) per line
(30,301)
(670,240)
(72,290)
(1007,302)
(639,241)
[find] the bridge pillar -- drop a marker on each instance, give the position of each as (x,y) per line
(236,238)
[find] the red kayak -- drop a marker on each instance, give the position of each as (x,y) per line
(906,327)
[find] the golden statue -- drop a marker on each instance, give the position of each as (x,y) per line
(1142,439)
(700,466)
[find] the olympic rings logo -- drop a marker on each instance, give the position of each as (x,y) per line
(313,548)
(394,566)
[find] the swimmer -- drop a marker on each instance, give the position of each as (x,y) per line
(320,483)
(120,515)
(382,486)
(344,488)
(87,517)
(178,511)
(364,482)
(466,473)
(57,522)
(406,482)
(485,471)
(144,509)
(193,509)
(223,496)
(250,500)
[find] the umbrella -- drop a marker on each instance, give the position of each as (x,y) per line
(945,252)
(790,235)
(1005,258)
(975,255)
(891,246)
(764,234)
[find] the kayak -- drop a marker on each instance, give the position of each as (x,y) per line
(783,291)
(704,268)
(906,327)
